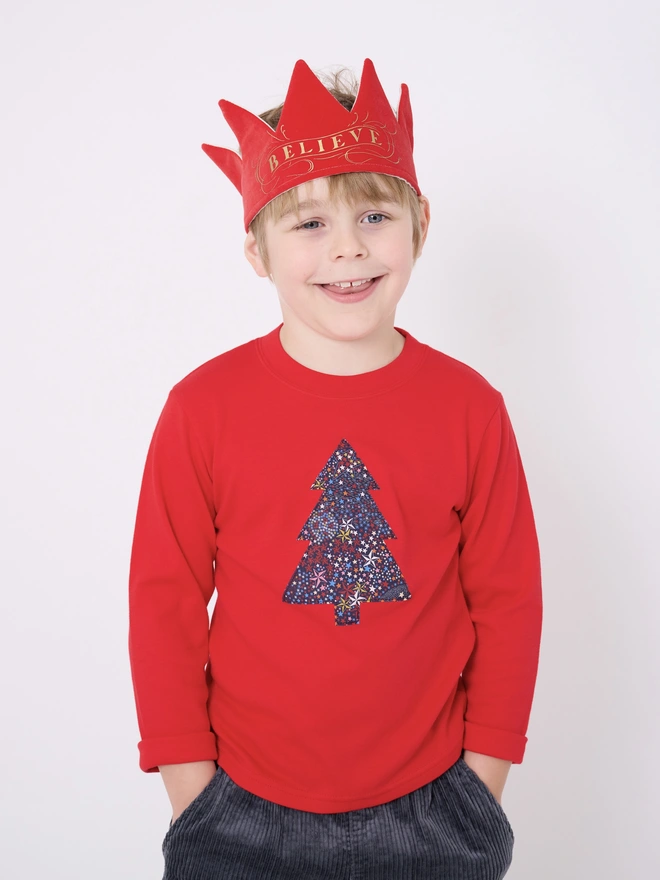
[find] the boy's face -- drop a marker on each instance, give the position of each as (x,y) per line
(339,243)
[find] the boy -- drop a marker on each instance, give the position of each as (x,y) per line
(358,501)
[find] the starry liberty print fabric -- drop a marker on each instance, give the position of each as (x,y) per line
(347,564)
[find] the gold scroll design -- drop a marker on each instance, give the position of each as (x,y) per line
(297,165)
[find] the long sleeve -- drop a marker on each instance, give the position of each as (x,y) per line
(500,573)
(171,582)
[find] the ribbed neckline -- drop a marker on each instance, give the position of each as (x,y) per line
(291,371)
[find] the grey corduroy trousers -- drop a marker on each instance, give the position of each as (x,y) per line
(452,828)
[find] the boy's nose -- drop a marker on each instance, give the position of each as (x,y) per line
(347,248)
(347,243)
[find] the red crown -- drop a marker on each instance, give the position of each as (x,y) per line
(316,136)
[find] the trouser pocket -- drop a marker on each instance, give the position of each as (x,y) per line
(477,782)
(196,805)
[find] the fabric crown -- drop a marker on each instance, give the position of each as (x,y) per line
(316,136)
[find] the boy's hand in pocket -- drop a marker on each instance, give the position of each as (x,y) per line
(185,782)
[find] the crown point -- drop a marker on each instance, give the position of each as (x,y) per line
(404,114)
(228,161)
(309,109)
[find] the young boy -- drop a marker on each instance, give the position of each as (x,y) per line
(357,499)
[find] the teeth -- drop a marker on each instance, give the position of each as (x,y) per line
(350,283)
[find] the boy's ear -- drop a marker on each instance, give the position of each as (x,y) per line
(253,256)
(425,217)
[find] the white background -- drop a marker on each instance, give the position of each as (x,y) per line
(537,138)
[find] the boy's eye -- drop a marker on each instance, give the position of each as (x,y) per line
(375,214)
(306,225)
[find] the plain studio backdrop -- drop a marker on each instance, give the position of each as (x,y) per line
(537,140)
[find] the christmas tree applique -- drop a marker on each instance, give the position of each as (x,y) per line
(347,562)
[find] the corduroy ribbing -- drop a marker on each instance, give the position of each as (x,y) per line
(452,828)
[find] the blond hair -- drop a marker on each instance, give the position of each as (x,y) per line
(351,187)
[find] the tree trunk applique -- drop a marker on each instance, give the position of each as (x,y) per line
(347,562)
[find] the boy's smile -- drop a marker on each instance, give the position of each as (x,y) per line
(351,291)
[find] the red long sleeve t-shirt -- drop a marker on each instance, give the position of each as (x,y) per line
(373,547)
